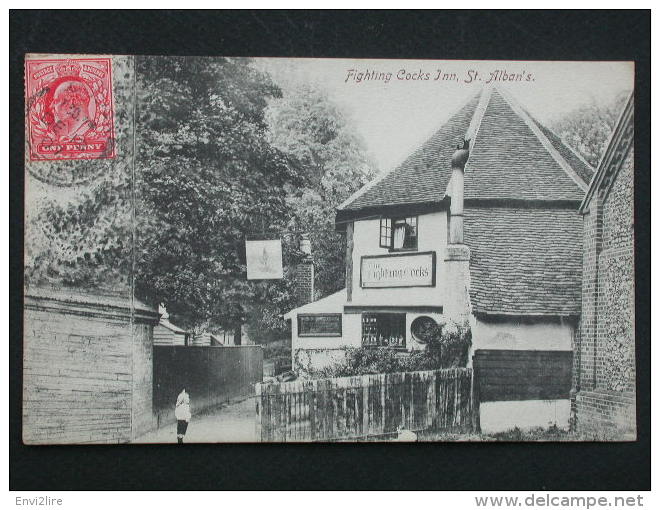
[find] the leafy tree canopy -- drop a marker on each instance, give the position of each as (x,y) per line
(305,124)
(220,153)
(588,128)
(207,177)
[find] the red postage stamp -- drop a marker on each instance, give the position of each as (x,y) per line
(69,109)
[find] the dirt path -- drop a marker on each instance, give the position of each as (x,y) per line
(231,423)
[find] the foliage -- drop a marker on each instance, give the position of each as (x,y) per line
(219,154)
(207,177)
(307,126)
(448,348)
(81,236)
(449,344)
(276,350)
(588,128)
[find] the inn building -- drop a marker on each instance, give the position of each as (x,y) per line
(480,224)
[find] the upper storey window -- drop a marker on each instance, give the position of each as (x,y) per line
(398,233)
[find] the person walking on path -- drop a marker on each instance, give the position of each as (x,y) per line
(182,414)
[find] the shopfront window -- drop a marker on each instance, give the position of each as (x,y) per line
(384,330)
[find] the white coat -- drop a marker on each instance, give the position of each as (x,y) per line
(182,409)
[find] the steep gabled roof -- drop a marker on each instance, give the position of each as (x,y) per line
(512,156)
(522,189)
(581,167)
(424,175)
(524,261)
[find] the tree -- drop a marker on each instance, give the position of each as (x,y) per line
(213,164)
(207,177)
(305,124)
(589,128)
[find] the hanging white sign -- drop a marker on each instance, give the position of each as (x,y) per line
(264,259)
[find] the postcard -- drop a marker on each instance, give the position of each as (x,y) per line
(224,249)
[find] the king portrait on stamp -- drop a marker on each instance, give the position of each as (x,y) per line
(69,108)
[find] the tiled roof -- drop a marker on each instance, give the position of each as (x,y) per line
(512,156)
(524,261)
(522,189)
(424,175)
(508,160)
(581,167)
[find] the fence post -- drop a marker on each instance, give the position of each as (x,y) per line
(383,402)
(258,409)
(312,410)
(476,421)
(365,381)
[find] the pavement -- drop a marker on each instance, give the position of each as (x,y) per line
(233,422)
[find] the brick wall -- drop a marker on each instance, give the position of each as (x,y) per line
(588,323)
(605,375)
(606,414)
(86,369)
(305,282)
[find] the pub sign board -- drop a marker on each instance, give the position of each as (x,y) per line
(264,260)
(398,270)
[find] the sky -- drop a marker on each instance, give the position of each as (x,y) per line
(396,115)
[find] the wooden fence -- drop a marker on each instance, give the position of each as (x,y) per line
(351,408)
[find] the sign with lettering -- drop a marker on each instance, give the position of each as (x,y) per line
(319,324)
(399,270)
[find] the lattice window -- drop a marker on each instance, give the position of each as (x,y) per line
(398,233)
(386,232)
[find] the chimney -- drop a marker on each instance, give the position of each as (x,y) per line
(305,273)
(458,161)
(457,257)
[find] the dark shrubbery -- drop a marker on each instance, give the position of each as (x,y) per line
(276,350)
(447,347)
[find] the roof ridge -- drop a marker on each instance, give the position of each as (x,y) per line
(477,117)
(547,144)
(475,125)
(416,147)
(571,149)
